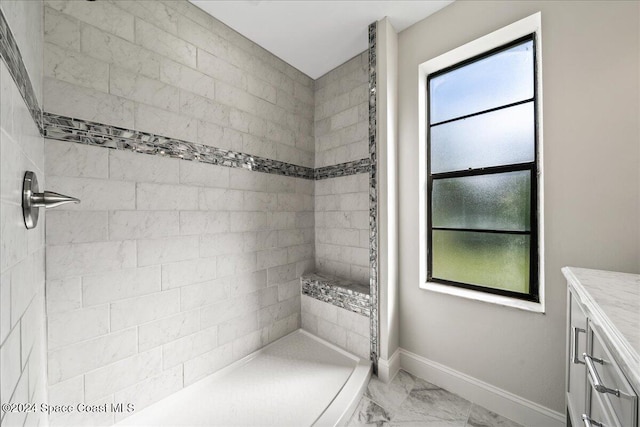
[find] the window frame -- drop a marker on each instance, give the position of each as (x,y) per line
(437,61)
(532,167)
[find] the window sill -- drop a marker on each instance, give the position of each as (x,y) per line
(535,307)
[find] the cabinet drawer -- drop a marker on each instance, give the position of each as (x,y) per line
(620,397)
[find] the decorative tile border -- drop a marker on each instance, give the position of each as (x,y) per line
(338,292)
(13,59)
(91,133)
(342,169)
(373,197)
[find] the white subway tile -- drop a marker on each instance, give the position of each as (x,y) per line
(261,202)
(139,310)
(299,253)
(237,327)
(261,89)
(71,390)
(142,224)
(212,135)
(195,173)
(205,293)
(187,78)
(168,329)
(357,344)
(122,374)
(23,287)
(221,70)
(320,309)
(88,161)
(94,194)
(256,241)
(139,88)
(189,347)
(221,244)
(281,274)
(130,166)
(184,273)
(309,322)
(207,363)
(63,295)
(271,258)
(288,290)
(199,222)
(86,356)
(89,104)
(247,180)
(218,199)
(120,284)
(165,123)
(151,390)
(61,30)
(247,344)
(247,221)
(353,322)
(332,333)
(279,311)
(5,304)
(166,197)
(217,313)
(65,227)
(102,15)
(107,47)
(10,366)
(201,37)
(236,263)
(246,283)
(87,258)
(77,325)
(193,105)
(76,68)
(169,249)
(165,44)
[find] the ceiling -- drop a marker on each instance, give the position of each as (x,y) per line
(315,36)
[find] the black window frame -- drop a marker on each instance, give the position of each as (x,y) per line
(532,167)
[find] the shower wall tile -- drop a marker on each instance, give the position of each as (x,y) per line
(342,227)
(77,325)
(111,286)
(183,74)
(337,325)
(90,162)
(340,98)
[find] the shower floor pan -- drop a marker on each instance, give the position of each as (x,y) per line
(298,380)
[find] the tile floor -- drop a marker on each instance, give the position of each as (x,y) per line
(410,401)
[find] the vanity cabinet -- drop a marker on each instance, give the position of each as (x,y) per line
(603,343)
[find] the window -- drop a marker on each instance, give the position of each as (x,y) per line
(482,172)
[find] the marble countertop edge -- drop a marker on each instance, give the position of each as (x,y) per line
(625,353)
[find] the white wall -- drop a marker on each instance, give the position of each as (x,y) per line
(590,57)
(22,318)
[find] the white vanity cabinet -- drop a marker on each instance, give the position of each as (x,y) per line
(603,348)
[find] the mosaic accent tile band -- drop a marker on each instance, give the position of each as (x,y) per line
(373,196)
(13,59)
(338,292)
(342,169)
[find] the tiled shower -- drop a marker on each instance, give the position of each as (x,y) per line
(212,177)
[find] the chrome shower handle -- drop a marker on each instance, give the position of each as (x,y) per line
(32,200)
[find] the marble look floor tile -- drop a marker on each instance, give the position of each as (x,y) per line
(432,406)
(481,417)
(369,413)
(391,395)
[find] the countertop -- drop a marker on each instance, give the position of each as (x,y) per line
(612,302)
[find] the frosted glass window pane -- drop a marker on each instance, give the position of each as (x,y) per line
(499,261)
(497,138)
(500,79)
(487,202)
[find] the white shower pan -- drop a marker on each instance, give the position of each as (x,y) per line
(298,380)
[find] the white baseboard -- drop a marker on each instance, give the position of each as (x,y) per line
(387,369)
(500,401)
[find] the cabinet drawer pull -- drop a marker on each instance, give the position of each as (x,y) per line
(597,383)
(588,422)
(574,350)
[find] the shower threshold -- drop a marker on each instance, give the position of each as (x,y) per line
(298,380)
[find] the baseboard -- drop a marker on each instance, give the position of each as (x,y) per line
(387,369)
(500,401)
